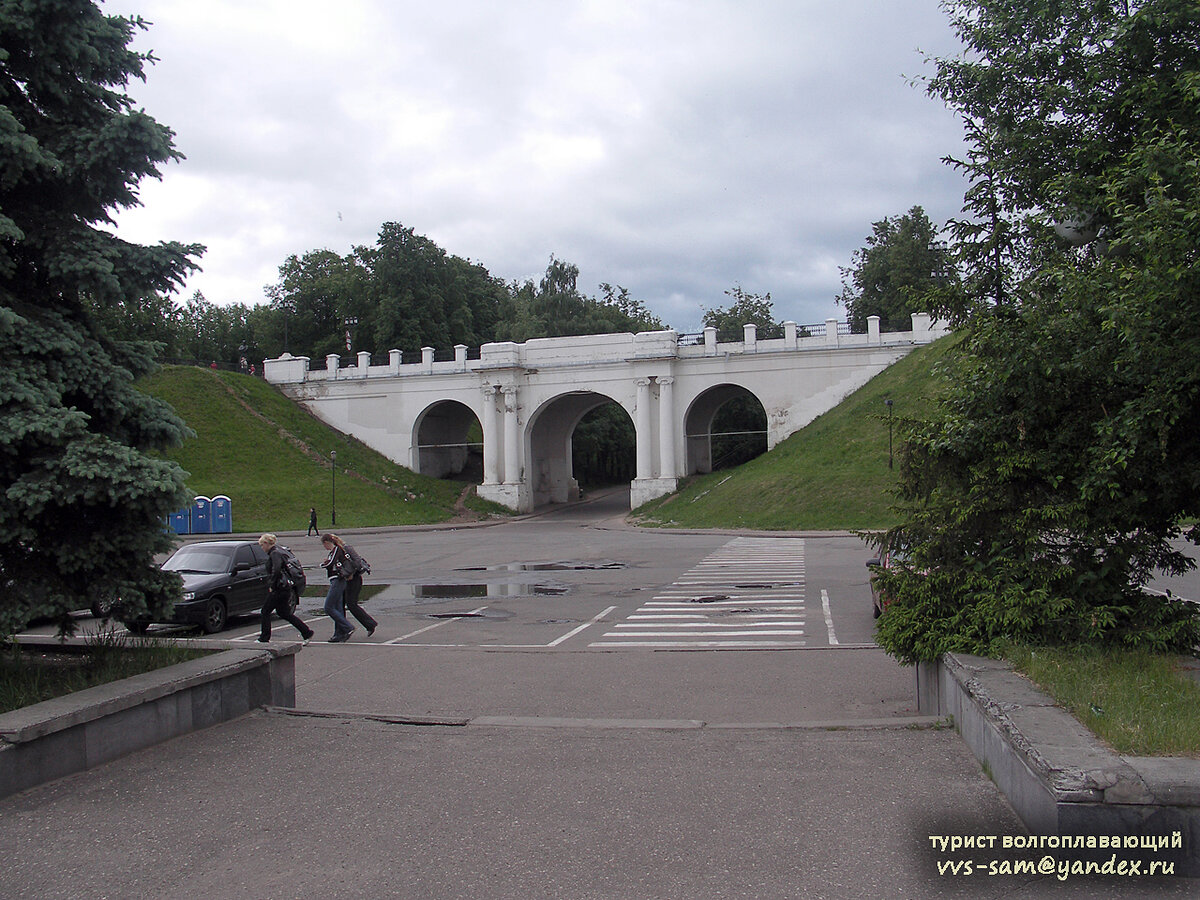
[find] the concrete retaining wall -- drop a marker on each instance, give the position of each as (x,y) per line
(69,734)
(1058,776)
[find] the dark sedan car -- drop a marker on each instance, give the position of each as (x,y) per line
(220,579)
(889,557)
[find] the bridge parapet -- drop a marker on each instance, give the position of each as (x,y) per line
(542,353)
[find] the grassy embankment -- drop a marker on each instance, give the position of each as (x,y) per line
(271,458)
(831,475)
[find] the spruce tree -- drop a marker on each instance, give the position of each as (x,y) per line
(84,498)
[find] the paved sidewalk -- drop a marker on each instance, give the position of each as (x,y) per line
(767,686)
(288,806)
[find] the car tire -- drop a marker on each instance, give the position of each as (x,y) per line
(215,616)
(103,608)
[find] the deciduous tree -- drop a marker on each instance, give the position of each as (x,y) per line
(1064,468)
(746,309)
(903,263)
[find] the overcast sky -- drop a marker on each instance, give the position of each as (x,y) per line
(673,147)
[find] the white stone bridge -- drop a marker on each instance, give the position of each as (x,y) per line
(527,399)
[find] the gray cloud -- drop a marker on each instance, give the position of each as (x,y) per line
(674,148)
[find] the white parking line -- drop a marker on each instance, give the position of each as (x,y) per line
(727,645)
(575,631)
(405,637)
(717,625)
(828,616)
(276,624)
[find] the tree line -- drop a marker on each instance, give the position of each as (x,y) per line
(405,292)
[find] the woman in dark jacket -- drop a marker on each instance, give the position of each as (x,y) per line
(279,592)
(354,587)
(338,565)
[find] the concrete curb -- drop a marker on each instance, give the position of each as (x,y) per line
(1058,776)
(78,731)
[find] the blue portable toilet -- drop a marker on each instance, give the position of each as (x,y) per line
(222,514)
(202,516)
(180,522)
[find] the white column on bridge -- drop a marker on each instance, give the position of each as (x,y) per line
(491,437)
(666,427)
(645,459)
(512,462)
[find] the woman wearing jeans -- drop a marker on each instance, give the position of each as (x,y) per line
(337,564)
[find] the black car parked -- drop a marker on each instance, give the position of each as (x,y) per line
(220,579)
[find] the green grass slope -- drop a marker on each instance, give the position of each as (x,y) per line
(271,458)
(831,475)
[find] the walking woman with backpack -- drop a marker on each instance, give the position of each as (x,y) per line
(279,591)
(340,570)
(354,584)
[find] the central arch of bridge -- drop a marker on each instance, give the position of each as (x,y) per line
(551,436)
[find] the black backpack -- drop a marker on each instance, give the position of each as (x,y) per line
(361,566)
(293,572)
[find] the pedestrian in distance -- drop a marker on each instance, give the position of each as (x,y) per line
(279,592)
(337,565)
(354,585)
(312,521)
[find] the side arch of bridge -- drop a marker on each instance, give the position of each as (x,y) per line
(528,398)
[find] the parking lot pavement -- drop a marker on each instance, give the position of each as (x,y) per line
(286,806)
(574,771)
(749,686)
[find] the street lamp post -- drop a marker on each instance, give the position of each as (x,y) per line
(288,305)
(333,503)
(889,406)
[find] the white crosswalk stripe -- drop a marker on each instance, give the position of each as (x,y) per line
(750,593)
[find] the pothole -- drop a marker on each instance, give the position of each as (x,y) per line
(563,566)
(490,614)
(769,585)
(748,611)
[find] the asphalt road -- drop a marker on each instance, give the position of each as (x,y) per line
(626,714)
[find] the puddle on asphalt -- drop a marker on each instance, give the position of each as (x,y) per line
(498,614)
(564,566)
(397,595)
